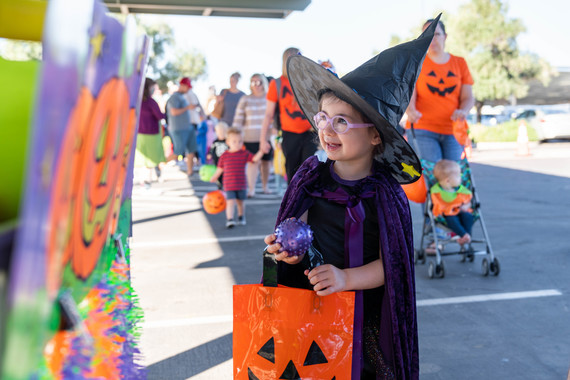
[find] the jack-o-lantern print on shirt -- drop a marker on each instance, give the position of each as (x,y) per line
(438,92)
(291,116)
(446,88)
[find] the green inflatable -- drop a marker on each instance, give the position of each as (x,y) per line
(206,172)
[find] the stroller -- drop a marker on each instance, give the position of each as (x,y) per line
(436,234)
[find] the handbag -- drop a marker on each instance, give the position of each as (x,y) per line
(218,110)
(279,161)
(289,333)
(461,131)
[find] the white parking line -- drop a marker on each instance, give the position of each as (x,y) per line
(433,302)
(489,297)
(188,321)
(195,241)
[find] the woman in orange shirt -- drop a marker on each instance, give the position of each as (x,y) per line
(443,94)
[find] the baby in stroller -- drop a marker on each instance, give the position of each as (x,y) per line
(452,200)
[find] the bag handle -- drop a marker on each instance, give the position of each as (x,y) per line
(269,269)
(313,258)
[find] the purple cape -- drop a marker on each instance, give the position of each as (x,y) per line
(398,333)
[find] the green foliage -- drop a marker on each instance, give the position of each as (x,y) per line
(161,37)
(482,33)
(164,65)
(505,132)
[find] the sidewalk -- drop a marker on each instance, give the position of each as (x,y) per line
(184,263)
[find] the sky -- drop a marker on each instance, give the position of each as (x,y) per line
(347,32)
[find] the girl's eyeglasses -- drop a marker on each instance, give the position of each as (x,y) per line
(256,83)
(338,123)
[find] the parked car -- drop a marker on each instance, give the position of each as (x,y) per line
(487,120)
(549,123)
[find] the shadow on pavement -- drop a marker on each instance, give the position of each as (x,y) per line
(165,216)
(194,361)
(526,214)
(244,257)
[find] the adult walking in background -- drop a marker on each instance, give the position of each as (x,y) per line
(180,127)
(249,116)
(196,116)
(230,97)
(149,151)
(299,141)
(443,94)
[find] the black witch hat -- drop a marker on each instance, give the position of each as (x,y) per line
(380,89)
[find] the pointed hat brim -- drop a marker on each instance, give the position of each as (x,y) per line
(309,79)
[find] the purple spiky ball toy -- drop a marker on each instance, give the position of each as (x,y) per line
(294,235)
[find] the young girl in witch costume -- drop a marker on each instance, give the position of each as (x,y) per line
(355,205)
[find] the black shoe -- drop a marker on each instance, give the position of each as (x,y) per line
(241,221)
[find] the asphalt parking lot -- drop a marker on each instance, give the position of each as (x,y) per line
(512,326)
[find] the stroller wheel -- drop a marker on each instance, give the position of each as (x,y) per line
(495,267)
(470,254)
(419,256)
(485,267)
(436,270)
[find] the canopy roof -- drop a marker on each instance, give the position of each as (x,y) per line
(226,8)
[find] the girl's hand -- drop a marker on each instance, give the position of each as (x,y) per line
(274,248)
(327,279)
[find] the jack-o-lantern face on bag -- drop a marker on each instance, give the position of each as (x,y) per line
(314,357)
(294,335)
(441,84)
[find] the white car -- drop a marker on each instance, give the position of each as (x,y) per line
(549,123)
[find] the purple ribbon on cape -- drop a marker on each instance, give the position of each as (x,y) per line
(354,257)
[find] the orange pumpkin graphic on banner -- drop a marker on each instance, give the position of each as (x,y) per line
(88,180)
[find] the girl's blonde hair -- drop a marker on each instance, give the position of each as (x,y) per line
(445,168)
(286,54)
(222,126)
(233,131)
(262,78)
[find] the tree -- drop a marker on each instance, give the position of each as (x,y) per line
(482,33)
(190,63)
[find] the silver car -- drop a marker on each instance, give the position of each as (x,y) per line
(549,123)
